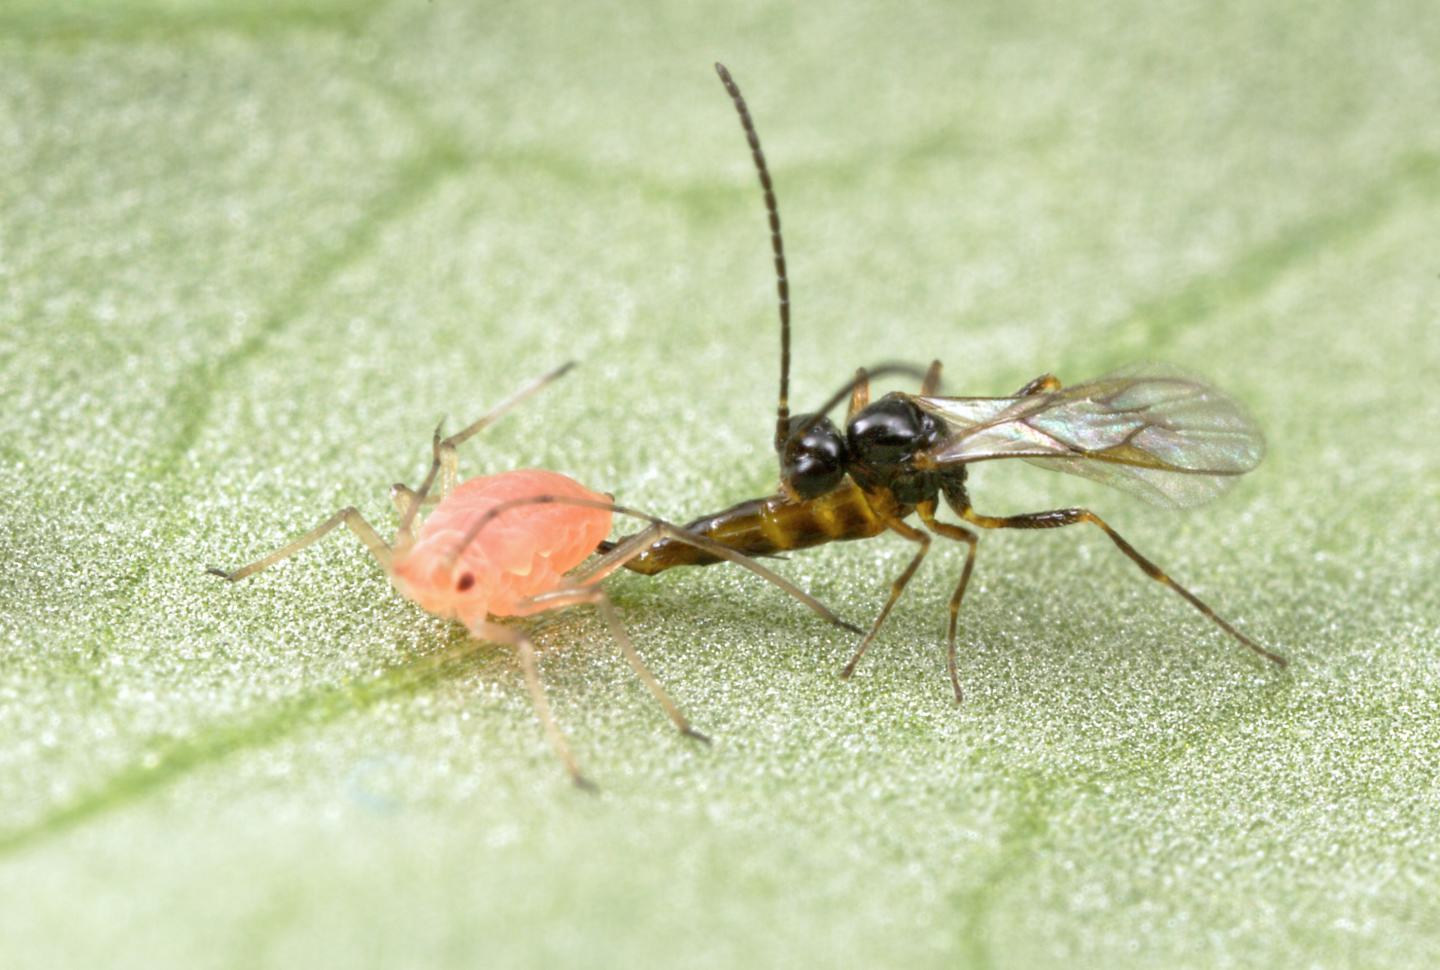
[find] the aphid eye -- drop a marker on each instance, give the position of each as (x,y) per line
(465,582)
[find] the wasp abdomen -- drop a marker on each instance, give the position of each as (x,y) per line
(767,527)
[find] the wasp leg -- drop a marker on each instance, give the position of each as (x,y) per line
(525,650)
(596,596)
(1040,385)
(860,395)
(348,516)
(930,386)
(896,588)
(1058,518)
(960,534)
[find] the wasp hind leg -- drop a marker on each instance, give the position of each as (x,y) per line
(1058,518)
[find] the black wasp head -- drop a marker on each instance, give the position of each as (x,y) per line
(814,458)
(891,430)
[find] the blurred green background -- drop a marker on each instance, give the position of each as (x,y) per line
(250,252)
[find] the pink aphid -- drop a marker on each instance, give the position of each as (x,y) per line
(522,552)
(509,545)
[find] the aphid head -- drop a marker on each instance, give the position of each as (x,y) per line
(814,458)
(453,590)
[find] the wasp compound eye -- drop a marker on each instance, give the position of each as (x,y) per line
(814,460)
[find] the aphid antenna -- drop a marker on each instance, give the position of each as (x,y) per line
(777,246)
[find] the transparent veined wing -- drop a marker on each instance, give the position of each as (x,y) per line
(1152,430)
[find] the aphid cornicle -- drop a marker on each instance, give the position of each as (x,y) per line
(1172,439)
(505,545)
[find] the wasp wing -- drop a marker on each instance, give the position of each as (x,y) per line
(1151,430)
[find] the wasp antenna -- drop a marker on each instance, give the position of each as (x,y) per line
(777,245)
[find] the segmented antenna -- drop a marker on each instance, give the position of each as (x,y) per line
(777,245)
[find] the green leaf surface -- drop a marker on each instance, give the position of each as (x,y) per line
(251,252)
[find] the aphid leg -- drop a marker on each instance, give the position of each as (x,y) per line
(583,587)
(931,384)
(896,588)
(446,449)
(960,534)
(443,461)
(349,516)
(403,496)
(449,459)
(525,650)
(1062,517)
(635,546)
(1040,385)
(409,501)
(596,596)
(860,396)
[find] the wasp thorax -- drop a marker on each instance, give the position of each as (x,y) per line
(813,461)
(889,431)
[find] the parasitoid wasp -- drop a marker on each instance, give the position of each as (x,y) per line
(1151,430)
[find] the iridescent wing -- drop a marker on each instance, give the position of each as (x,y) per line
(1171,439)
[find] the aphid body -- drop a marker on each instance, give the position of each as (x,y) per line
(516,557)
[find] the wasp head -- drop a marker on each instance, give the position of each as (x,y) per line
(814,457)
